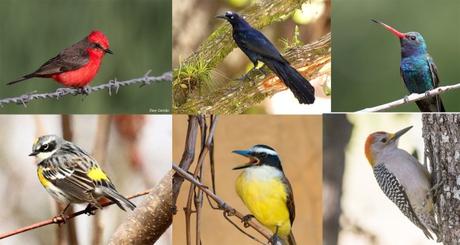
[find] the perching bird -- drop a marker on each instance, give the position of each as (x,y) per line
(75,66)
(71,175)
(266,191)
(403,179)
(258,48)
(418,69)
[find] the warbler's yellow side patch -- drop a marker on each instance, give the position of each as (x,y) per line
(95,173)
(42,178)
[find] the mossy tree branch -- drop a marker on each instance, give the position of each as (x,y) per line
(193,74)
(238,95)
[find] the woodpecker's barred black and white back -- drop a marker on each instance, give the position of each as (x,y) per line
(392,188)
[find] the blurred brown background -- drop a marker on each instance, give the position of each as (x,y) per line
(298,141)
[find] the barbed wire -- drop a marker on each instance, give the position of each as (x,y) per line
(113,86)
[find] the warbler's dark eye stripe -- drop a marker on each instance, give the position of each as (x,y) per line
(48,147)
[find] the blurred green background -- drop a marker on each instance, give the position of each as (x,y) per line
(366,56)
(140,36)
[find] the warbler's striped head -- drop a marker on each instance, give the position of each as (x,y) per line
(45,146)
(260,155)
(378,142)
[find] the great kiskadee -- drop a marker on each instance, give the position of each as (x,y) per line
(266,191)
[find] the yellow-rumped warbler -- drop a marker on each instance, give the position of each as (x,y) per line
(71,175)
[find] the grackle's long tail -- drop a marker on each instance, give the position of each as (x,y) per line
(299,86)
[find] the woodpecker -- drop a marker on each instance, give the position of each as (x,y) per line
(403,179)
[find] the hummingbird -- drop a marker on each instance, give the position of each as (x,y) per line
(417,68)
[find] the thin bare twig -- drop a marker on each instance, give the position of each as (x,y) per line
(412,98)
(60,220)
(230,211)
(112,86)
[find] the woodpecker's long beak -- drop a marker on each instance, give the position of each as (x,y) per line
(248,154)
(391,29)
(108,51)
(398,134)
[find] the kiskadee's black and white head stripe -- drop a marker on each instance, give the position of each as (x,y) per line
(71,175)
(260,155)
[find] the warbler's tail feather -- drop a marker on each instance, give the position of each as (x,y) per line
(300,87)
(118,199)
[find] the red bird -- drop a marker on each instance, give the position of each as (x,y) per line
(77,65)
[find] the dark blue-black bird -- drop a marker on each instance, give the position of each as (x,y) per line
(258,48)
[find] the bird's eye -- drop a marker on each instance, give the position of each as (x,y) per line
(413,38)
(263,154)
(97,45)
(384,140)
(45,147)
(232,17)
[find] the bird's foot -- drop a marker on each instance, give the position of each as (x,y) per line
(90,209)
(275,240)
(406,98)
(246,219)
(86,90)
(436,189)
(60,219)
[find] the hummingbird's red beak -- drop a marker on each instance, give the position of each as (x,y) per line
(391,29)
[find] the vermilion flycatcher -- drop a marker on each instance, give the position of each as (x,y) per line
(77,65)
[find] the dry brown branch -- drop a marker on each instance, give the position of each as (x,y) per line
(188,156)
(222,205)
(150,219)
(60,220)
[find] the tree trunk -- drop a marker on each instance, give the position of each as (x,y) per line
(441,133)
(334,159)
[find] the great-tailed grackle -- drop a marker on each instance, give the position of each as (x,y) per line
(258,48)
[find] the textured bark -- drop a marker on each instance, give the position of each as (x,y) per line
(334,159)
(441,133)
(150,219)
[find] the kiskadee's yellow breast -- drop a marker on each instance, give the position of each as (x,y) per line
(264,194)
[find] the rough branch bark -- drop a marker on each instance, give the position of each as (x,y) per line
(235,97)
(441,133)
(150,219)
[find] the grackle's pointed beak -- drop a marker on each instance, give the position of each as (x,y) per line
(221,17)
(391,29)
